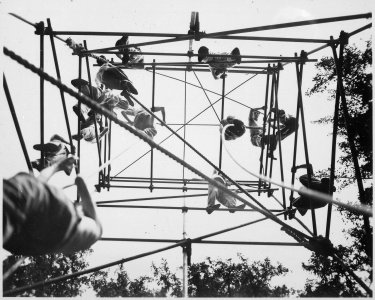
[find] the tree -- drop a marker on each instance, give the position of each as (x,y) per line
(210,278)
(44,267)
(217,278)
(357,81)
(121,286)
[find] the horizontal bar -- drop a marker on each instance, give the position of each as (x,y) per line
(151,34)
(350,34)
(116,179)
(179,179)
(293,58)
(252,29)
(200,242)
(174,188)
(185,208)
(292,24)
(151,198)
(186,63)
(205,70)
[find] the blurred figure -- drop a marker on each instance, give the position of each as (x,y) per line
(39,219)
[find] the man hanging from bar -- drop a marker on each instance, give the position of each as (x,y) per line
(131,60)
(39,218)
(216,194)
(114,78)
(217,64)
(304,203)
(88,117)
(143,121)
(56,149)
(288,125)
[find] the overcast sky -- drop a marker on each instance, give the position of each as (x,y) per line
(168,16)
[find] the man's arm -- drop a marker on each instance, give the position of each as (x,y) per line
(87,205)
(63,164)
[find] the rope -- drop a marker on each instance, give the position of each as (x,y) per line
(97,107)
(362,209)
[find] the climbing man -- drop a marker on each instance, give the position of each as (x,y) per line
(56,149)
(216,194)
(129,59)
(288,125)
(88,117)
(232,132)
(114,78)
(143,121)
(218,64)
(39,219)
(303,203)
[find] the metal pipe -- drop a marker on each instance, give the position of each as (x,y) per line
(200,87)
(209,101)
(263,130)
(307,161)
(252,29)
(150,198)
(152,109)
(201,242)
(79,122)
(222,118)
(41,87)
(72,150)
(175,208)
(333,147)
(16,123)
(292,24)
(279,136)
(95,123)
(148,34)
(207,70)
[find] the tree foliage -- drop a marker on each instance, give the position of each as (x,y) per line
(210,278)
(357,81)
(225,278)
(331,280)
(44,267)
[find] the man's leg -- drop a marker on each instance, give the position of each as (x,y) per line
(212,195)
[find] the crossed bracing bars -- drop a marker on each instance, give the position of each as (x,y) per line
(272,217)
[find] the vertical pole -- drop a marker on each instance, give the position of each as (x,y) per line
(105,154)
(152,109)
(95,124)
(72,150)
(273,123)
(109,153)
(279,138)
(334,140)
(295,143)
(353,150)
(16,124)
(222,117)
(269,127)
(261,169)
(299,82)
(79,123)
(41,84)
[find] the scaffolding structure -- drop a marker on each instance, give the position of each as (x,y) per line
(244,190)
